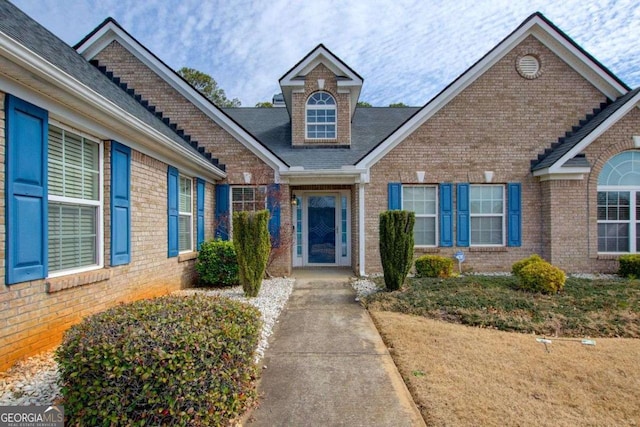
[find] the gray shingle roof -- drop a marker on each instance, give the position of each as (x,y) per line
(17,25)
(566,143)
(272,127)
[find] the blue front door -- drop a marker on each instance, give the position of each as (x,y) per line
(321,228)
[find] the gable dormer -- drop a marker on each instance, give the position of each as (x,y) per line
(321,93)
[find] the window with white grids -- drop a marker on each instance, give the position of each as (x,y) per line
(248,199)
(321,116)
(185,222)
(486,211)
(423,200)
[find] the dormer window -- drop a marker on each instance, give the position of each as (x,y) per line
(321,116)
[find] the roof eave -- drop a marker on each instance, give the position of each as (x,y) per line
(94,43)
(28,60)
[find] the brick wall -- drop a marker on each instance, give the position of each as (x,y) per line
(499,123)
(298,109)
(237,158)
(35,314)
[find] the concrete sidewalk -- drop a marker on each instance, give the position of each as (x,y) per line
(327,365)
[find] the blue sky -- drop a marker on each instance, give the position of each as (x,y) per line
(406,50)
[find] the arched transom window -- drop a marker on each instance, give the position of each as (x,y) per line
(619,204)
(321,116)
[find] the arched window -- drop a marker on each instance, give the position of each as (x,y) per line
(321,116)
(619,204)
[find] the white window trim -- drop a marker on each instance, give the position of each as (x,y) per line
(320,107)
(183,213)
(99,204)
(435,215)
(492,215)
(633,220)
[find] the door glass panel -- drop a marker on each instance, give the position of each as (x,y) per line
(298,227)
(322,229)
(343,223)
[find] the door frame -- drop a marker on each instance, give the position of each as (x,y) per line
(303,261)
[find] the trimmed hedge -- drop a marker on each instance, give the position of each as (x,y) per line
(540,276)
(519,265)
(253,245)
(629,266)
(434,266)
(217,264)
(396,246)
(168,361)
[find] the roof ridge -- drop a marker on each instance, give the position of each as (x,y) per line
(152,109)
(578,132)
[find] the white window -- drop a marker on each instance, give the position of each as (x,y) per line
(619,204)
(185,222)
(74,201)
(321,116)
(248,199)
(422,200)
(487,215)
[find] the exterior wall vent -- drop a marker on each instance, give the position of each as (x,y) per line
(529,66)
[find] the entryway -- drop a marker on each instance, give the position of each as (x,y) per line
(321,225)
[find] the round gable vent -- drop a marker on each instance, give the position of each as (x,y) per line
(529,66)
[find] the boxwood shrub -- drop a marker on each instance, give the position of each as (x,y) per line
(217,264)
(629,265)
(540,276)
(168,361)
(434,266)
(519,265)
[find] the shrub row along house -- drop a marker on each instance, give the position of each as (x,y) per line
(115,169)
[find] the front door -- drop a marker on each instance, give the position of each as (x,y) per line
(321,237)
(321,228)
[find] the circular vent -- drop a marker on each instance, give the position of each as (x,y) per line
(529,66)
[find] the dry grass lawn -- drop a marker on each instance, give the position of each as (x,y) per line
(464,376)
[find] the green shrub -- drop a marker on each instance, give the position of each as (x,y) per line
(396,246)
(540,276)
(629,265)
(217,264)
(434,266)
(519,265)
(168,361)
(253,244)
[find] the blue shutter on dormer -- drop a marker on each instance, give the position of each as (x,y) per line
(446,215)
(26,185)
(395,191)
(200,212)
(273,204)
(514,219)
(172,211)
(120,204)
(463,215)
(222,211)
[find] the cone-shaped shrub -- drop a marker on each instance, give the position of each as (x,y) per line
(396,246)
(252,242)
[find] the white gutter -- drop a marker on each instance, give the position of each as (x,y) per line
(37,65)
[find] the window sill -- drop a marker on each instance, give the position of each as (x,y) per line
(187,256)
(426,250)
(488,249)
(80,279)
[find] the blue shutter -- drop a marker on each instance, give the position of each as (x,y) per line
(26,185)
(463,215)
(446,215)
(120,204)
(273,204)
(395,190)
(514,215)
(172,210)
(222,211)
(200,213)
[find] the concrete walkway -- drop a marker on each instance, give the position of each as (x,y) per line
(327,365)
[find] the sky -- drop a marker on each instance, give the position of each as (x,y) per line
(406,50)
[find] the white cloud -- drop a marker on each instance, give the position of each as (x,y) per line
(406,50)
